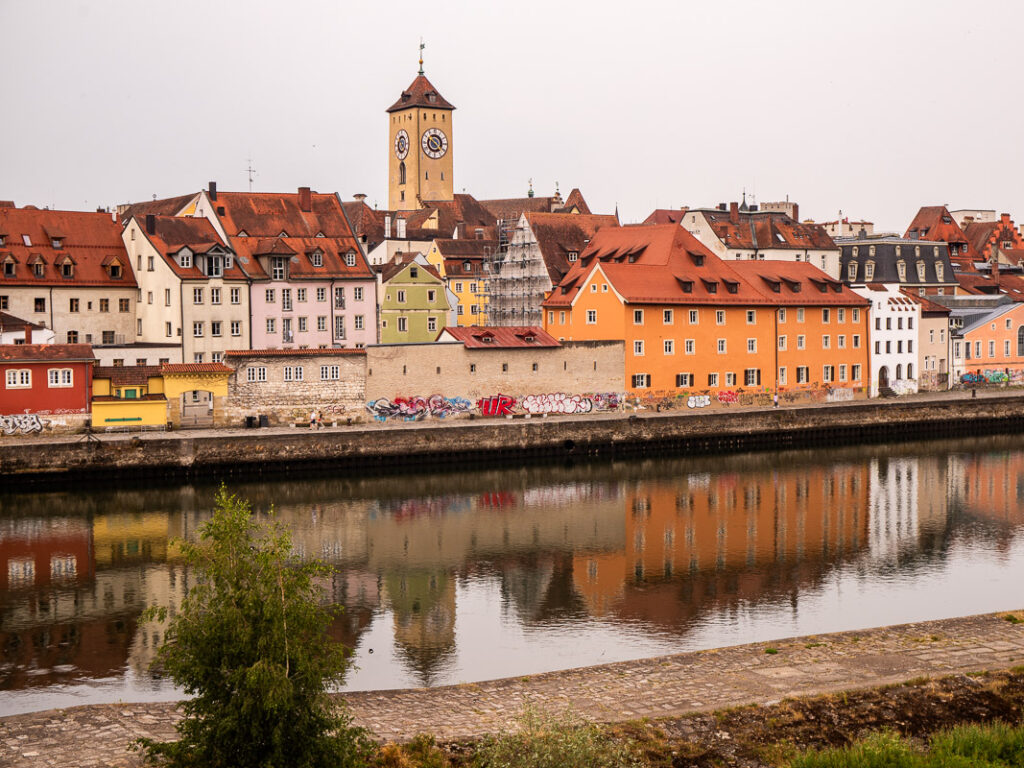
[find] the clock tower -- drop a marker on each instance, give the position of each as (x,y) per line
(419,147)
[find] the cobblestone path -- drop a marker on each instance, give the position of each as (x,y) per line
(655,687)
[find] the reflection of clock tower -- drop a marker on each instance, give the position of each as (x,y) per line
(419,147)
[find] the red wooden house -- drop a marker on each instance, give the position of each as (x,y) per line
(44,387)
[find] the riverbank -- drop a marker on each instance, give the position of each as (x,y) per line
(196,454)
(666,689)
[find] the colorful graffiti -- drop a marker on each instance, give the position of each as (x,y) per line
(698,401)
(728,397)
(557,403)
(417,408)
(606,401)
(985,377)
(26,423)
(496,405)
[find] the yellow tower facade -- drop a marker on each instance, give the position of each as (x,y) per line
(420,147)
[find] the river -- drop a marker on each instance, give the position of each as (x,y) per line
(474,574)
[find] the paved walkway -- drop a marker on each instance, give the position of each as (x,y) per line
(657,687)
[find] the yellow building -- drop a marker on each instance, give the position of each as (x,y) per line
(150,396)
(464,266)
(419,147)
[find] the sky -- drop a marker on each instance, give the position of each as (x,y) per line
(873,108)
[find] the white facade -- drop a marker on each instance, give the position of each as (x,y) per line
(894,323)
(16,335)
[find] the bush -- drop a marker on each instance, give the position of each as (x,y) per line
(250,645)
(549,741)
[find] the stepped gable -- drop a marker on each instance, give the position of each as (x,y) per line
(90,242)
(559,234)
(421,93)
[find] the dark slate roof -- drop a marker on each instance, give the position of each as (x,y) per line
(888,252)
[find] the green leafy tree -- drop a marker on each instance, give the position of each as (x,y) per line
(250,645)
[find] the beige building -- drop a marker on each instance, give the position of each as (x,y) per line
(67,271)
(192,291)
(934,345)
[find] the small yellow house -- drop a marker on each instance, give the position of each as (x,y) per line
(158,397)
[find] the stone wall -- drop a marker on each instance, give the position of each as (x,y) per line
(417,381)
(290,402)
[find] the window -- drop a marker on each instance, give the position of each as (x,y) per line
(317,259)
(841,342)
(401,296)
(721,346)
(215,327)
(851,271)
(855,371)
(321,323)
(431,324)
(4,302)
(869,271)
(991,349)
(357,293)
(19,378)
(124,305)
(185,259)
(684,379)
(801,374)
(286,299)
(828,373)
(236,328)
(720,316)
(666,317)
(826,342)
(638,315)
(782,376)
(826,315)
(271,325)
(459,310)
(458,287)
(561,318)
(40,305)
(782,315)
(72,337)
(800,315)
(801,342)
(641,380)
(150,265)
(690,346)
(977,349)
(431,297)
(591,317)
(167,297)
(856,315)
(350,259)
(256,373)
(60,377)
(168,329)
(330,372)
(277,268)
(339,297)
(730,379)
(403,324)
(751,377)
(197,329)
(293,373)
(694,316)
(856,341)
(712,379)
(339,326)
(216,357)
(197,295)
(72,305)
(901,270)
(104,305)
(638,347)
(670,347)
(751,316)
(782,343)
(321,294)
(842,373)
(841,315)
(9,268)
(414,272)
(270,295)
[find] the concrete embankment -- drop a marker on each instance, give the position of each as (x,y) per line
(211,454)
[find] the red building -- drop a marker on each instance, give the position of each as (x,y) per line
(44,380)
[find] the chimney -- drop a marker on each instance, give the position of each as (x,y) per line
(213,190)
(734,213)
(360,197)
(28,333)
(723,207)
(796,212)
(305,199)
(460,230)
(150,224)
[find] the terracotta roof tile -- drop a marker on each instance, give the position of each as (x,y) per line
(46,352)
(330,352)
(9,322)
(169,206)
(130,375)
(420,94)
(765,230)
(665,216)
(559,234)
(504,337)
(195,368)
(113,399)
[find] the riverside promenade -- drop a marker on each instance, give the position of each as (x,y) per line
(664,686)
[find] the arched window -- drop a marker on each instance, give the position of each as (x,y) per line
(899,372)
(1020,341)
(401,173)
(910,371)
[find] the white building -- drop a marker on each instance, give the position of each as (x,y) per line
(894,323)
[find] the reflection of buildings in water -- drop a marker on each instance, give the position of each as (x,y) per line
(991,486)
(893,507)
(423,605)
(163,586)
(141,537)
(38,552)
(725,538)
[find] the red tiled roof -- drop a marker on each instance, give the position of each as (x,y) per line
(89,239)
(575,200)
(935,223)
(390,270)
(195,368)
(112,399)
(420,94)
(169,206)
(976,283)
(559,234)
(665,264)
(926,304)
(172,233)
(505,337)
(665,216)
(46,352)
(331,352)
(468,248)
(766,230)
(9,322)
(131,375)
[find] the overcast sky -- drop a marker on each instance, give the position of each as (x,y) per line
(874,107)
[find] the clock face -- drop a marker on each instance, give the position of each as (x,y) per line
(401,145)
(434,143)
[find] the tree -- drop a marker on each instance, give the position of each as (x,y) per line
(250,645)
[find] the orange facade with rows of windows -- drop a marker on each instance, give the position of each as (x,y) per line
(692,321)
(997,344)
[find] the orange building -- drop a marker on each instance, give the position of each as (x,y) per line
(994,345)
(693,322)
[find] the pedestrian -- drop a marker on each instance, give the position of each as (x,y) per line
(319,419)
(312,419)
(776,399)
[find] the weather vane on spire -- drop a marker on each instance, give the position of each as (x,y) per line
(422,46)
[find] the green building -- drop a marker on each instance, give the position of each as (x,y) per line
(414,305)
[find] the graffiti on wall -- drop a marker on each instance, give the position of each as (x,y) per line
(26,424)
(698,401)
(606,401)
(496,405)
(417,408)
(985,377)
(557,403)
(839,395)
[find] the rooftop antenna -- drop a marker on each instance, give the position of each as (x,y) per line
(251,171)
(422,46)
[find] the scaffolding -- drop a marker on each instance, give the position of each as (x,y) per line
(517,279)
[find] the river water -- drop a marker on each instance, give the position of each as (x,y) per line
(478,574)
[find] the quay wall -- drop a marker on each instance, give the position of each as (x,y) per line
(215,454)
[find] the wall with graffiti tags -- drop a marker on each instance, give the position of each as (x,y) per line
(439,381)
(15,425)
(699,400)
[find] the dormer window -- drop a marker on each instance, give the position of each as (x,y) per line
(731,286)
(39,269)
(901,270)
(242,233)
(935,250)
(319,234)
(26,240)
(698,258)
(856,250)
(851,271)
(67,270)
(687,286)
(350,259)
(57,243)
(898,251)
(869,271)
(115,272)
(283,234)
(467,266)
(711,286)
(573,255)
(939,272)
(278,268)
(185,258)
(317,258)
(214,265)
(917,251)
(920,271)
(9,267)
(871,250)
(3,240)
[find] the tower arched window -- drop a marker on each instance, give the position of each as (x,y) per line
(401,173)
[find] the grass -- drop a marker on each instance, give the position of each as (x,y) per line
(995,745)
(771,651)
(1011,618)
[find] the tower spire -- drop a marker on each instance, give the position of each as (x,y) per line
(422,46)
